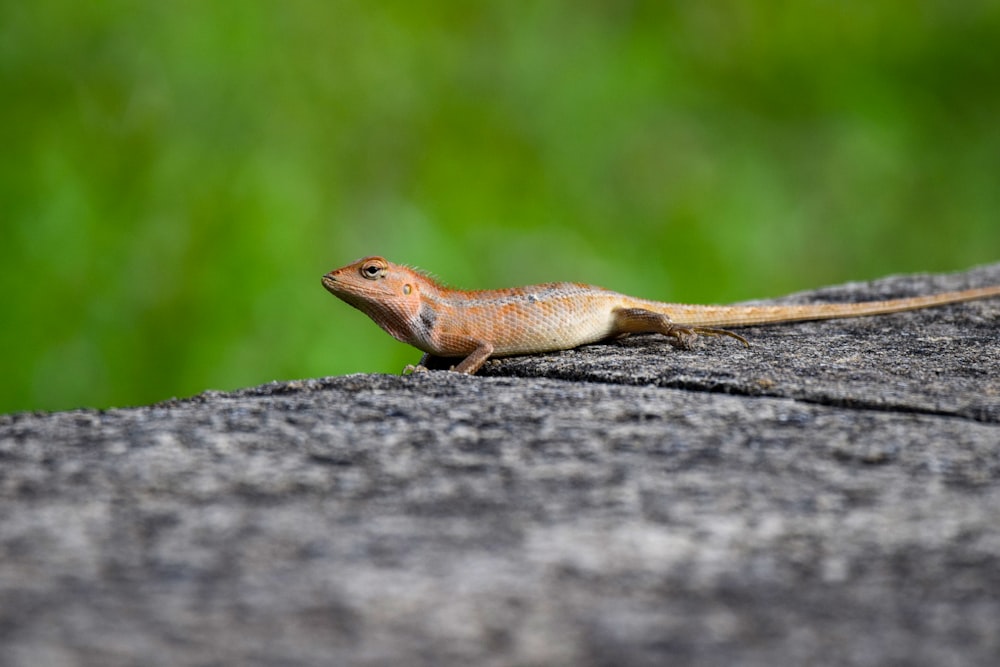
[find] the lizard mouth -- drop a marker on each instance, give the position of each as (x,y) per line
(330,283)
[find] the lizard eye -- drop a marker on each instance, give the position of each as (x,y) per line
(374,269)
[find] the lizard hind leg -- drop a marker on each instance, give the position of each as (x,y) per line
(640,320)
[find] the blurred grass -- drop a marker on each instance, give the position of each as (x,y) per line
(176,176)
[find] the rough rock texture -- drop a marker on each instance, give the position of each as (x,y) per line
(829,496)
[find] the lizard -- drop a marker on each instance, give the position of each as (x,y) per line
(476,325)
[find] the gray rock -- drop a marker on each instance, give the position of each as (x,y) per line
(829,496)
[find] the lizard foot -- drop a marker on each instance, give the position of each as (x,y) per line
(683,336)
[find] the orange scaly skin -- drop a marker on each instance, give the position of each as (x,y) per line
(477,325)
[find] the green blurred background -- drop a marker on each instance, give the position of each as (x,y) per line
(176,176)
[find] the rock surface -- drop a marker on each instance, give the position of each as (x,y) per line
(829,496)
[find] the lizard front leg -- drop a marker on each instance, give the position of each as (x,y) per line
(475,360)
(640,320)
(470,364)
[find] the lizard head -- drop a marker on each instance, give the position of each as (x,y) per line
(386,292)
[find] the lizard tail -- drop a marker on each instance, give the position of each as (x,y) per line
(734,316)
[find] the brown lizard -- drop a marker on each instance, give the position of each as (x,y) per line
(476,325)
